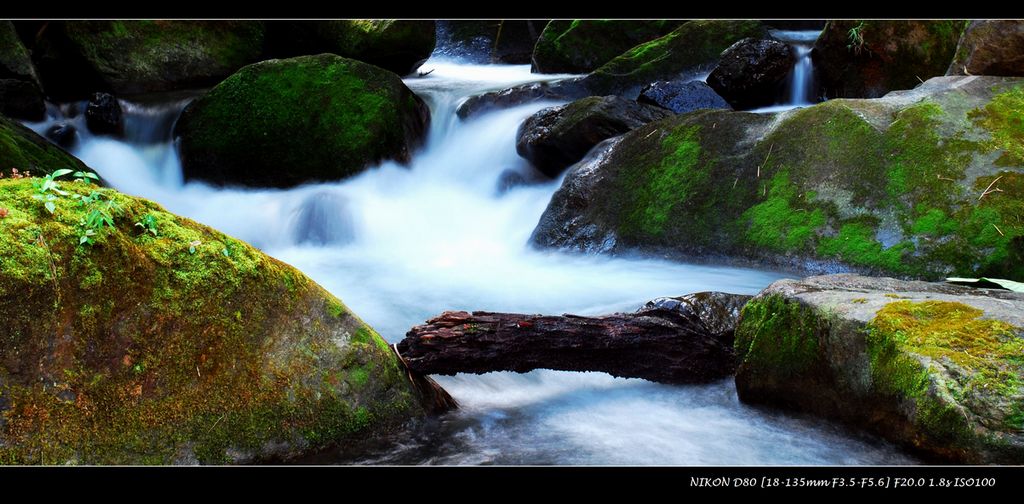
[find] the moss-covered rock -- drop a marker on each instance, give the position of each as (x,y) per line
(287,122)
(692,45)
(925,183)
(168,342)
(24,150)
(935,367)
(20,95)
(581,46)
(990,47)
(133,57)
(867,59)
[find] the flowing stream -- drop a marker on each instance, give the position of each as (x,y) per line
(401,244)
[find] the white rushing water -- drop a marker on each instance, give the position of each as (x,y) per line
(401,244)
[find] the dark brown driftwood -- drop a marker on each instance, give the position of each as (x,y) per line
(671,340)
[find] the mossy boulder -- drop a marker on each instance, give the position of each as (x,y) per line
(20,95)
(135,57)
(24,150)
(867,59)
(286,122)
(556,137)
(691,46)
(169,342)
(934,367)
(924,183)
(990,47)
(581,46)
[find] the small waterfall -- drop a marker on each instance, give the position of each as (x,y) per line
(801,89)
(801,79)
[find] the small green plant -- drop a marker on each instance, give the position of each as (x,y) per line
(192,246)
(85,177)
(148,224)
(99,214)
(47,190)
(856,37)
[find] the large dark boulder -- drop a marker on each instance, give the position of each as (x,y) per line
(470,40)
(934,367)
(556,137)
(922,183)
(173,343)
(752,72)
(867,59)
(76,58)
(20,95)
(682,96)
(990,47)
(581,46)
(285,122)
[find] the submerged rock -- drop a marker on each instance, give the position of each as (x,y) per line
(682,96)
(103,115)
(556,137)
(580,46)
(752,72)
(63,134)
(24,150)
(867,59)
(169,342)
(923,183)
(285,122)
(932,366)
(990,47)
(134,57)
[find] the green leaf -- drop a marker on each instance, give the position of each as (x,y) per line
(83,239)
(50,207)
(60,173)
(191,249)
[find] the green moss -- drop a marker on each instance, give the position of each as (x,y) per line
(783,221)
(933,222)
(166,351)
(666,185)
(1003,118)
(856,244)
(779,335)
(987,354)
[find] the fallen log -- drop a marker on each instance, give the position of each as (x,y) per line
(671,340)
